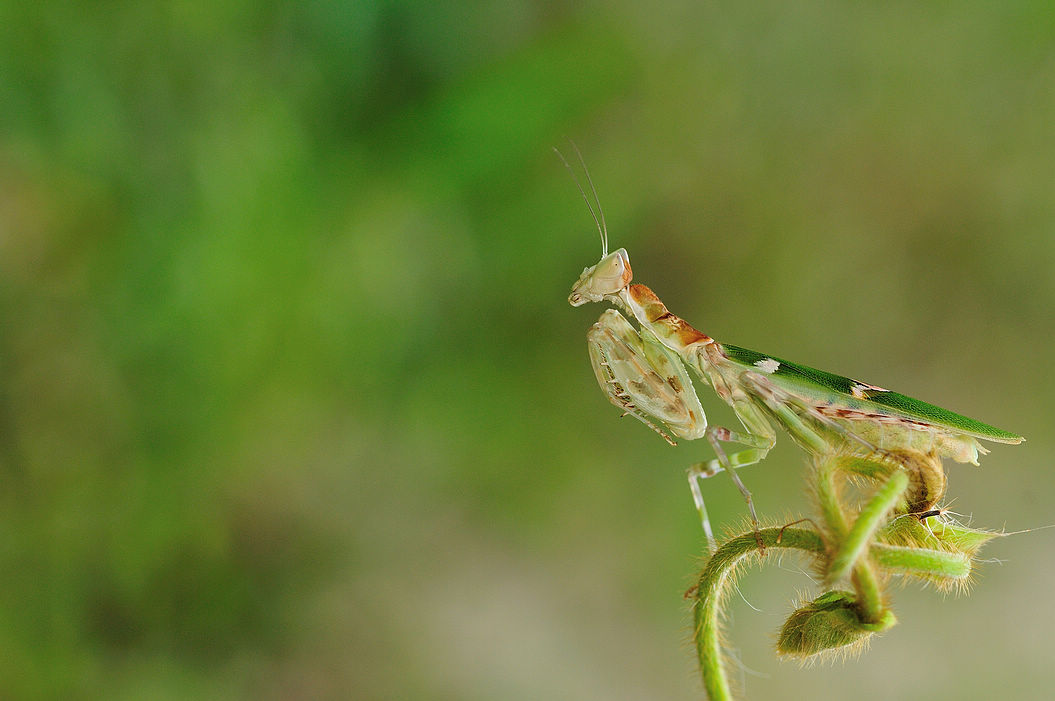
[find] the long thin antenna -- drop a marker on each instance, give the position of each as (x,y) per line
(601,230)
(604,224)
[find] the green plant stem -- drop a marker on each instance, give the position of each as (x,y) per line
(869,596)
(939,564)
(852,541)
(828,498)
(716,578)
(853,545)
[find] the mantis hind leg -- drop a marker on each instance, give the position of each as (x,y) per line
(804,422)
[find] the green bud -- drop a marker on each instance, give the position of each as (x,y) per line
(829,623)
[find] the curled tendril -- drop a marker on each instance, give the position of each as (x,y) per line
(862,544)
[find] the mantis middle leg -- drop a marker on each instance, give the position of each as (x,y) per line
(759,439)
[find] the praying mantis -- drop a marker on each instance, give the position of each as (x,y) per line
(647,371)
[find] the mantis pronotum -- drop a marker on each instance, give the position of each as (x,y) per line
(645,371)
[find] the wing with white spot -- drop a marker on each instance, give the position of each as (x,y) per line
(828,386)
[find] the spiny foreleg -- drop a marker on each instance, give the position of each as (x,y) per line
(644,379)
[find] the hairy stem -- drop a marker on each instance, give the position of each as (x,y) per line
(717,576)
(852,541)
(861,533)
(828,497)
(939,564)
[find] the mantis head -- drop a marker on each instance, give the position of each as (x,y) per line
(607,277)
(612,273)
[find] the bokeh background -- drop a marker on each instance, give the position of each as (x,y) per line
(292,404)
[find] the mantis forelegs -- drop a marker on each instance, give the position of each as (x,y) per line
(644,378)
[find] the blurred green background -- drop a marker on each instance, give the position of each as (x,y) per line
(293,406)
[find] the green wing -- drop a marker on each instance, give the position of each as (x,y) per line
(862,394)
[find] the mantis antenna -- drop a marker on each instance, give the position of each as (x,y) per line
(602,225)
(596,198)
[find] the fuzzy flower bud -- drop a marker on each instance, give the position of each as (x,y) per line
(829,623)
